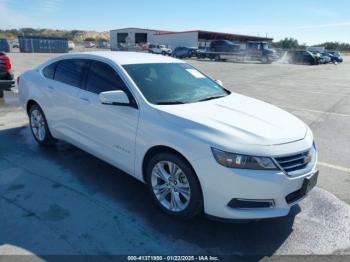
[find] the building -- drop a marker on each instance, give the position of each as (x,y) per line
(195,38)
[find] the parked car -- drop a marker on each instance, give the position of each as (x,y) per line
(223,46)
(89,45)
(15,45)
(159,49)
(335,56)
(302,57)
(183,52)
(6,75)
(322,58)
(198,146)
(4,45)
(325,58)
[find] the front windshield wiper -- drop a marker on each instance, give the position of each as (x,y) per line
(210,98)
(170,103)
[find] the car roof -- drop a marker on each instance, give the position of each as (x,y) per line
(125,57)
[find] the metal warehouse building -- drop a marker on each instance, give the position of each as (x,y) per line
(194,38)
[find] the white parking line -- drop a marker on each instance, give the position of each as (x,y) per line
(340,168)
(314,111)
(316,92)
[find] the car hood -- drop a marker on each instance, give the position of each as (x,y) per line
(236,118)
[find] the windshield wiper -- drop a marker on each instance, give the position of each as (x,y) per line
(210,98)
(170,103)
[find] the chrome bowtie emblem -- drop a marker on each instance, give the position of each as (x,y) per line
(307,159)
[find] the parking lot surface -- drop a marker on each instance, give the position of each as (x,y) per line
(61,200)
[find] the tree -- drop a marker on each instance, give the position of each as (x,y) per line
(89,39)
(336,46)
(287,43)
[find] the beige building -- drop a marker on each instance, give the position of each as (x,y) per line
(194,38)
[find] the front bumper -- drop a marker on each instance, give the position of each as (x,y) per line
(273,57)
(220,185)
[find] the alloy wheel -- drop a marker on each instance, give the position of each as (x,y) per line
(170,186)
(38,125)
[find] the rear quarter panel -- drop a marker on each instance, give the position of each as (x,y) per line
(32,86)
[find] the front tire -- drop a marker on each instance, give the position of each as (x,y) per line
(265,60)
(39,126)
(174,185)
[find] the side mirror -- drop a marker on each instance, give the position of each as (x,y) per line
(117,97)
(219,82)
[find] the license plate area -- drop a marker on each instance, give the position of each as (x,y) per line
(309,183)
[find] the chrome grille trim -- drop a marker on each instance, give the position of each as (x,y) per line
(293,162)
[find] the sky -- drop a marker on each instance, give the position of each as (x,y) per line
(309,21)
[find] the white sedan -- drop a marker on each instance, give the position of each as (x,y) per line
(199,147)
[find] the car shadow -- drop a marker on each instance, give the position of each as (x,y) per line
(257,239)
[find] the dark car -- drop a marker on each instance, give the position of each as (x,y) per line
(223,46)
(183,52)
(302,57)
(335,56)
(323,58)
(4,45)
(6,76)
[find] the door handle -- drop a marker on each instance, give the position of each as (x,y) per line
(85,99)
(51,88)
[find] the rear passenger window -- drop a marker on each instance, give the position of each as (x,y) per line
(71,72)
(49,71)
(102,78)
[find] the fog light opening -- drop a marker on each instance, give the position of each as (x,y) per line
(251,203)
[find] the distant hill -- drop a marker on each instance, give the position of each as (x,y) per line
(75,35)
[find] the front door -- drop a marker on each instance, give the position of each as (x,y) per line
(108,131)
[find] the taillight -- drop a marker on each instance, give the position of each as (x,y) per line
(7,63)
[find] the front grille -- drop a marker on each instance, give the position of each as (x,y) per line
(294,162)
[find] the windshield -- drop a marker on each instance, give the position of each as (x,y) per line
(173,83)
(264,46)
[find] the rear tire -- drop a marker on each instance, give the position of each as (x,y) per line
(217,58)
(174,185)
(39,126)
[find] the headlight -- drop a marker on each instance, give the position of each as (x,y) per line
(233,160)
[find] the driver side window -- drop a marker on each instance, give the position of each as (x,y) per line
(102,78)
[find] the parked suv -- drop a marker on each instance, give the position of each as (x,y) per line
(6,76)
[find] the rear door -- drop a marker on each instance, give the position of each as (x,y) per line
(109,131)
(65,112)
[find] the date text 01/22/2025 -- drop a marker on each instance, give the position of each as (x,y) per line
(173,258)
